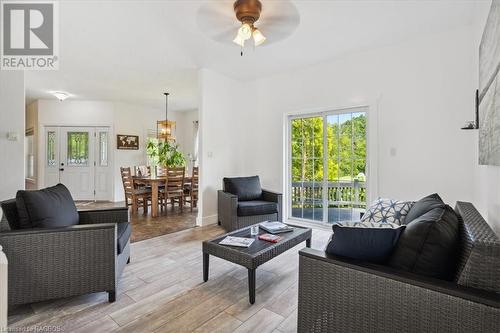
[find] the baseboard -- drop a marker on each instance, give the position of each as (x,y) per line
(207,220)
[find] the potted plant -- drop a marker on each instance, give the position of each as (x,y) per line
(164,153)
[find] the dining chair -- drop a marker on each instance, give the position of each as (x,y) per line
(142,170)
(191,192)
(174,188)
(135,197)
(161,171)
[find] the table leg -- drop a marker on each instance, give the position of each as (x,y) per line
(251,285)
(205,266)
(154,199)
(308,242)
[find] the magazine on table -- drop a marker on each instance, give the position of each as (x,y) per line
(275,227)
(237,241)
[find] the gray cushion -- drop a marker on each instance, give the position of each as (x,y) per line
(256,207)
(123,232)
(52,207)
(422,206)
(429,245)
(246,188)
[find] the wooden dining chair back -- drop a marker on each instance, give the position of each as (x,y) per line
(142,170)
(128,183)
(161,171)
(174,187)
(192,190)
(133,196)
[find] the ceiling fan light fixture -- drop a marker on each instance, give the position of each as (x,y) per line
(238,40)
(258,37)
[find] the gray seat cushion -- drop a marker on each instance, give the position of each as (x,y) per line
(51,207)
(256,207)
(246,188)
(123,232)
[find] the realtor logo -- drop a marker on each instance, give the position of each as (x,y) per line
(29,35)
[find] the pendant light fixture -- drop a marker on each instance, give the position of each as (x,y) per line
(165,128)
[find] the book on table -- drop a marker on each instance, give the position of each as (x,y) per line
(275,227)
(237,241)
(270,238)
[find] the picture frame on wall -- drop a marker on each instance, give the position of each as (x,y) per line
(127,142)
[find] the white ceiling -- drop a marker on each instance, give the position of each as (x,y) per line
(133,51)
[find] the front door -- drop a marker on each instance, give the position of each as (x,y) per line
(78,157)
(77,161)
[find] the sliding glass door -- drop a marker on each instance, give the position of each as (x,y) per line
(327,166)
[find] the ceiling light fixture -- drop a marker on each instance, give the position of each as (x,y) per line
(248,12)
(60,95)
(165,128)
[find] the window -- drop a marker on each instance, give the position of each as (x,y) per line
(51,149)
(328,166)
(78,149)
(103,148)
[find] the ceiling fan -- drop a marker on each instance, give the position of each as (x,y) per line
(277,19)
(248,12)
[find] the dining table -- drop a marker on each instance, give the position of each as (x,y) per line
(155,182)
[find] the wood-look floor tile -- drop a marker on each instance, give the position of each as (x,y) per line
(263,321)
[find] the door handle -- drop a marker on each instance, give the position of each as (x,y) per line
(61,169)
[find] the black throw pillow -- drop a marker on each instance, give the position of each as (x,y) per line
(429,244)
(366,241)
(246,188)
(424,205)
(51,207)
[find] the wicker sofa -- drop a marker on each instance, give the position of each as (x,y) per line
(339,295)
(242,202)
(49,263)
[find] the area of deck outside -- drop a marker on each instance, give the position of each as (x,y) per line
(346,200)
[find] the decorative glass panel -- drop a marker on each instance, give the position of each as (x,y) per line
(51,149)
(103,149)
(78,149)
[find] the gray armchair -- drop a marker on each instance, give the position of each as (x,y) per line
(242,202)
(49,263)
(340,295)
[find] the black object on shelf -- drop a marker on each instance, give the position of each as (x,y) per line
(473,124)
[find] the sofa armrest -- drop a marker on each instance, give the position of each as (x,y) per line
(227,207)
(76,259)
(274,197)
(389,300)
(110,215)
(271,196)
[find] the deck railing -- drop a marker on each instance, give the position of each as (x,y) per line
(339,194)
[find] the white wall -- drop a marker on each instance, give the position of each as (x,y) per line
(424,93)
(11,120)
(487,178)
(222,127)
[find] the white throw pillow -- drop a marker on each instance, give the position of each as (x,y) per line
(387,211)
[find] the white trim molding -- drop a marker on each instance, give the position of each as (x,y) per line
(3,291)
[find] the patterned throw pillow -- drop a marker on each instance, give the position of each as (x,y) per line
(387,211)
(376,225)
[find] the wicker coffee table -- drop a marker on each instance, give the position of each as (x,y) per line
(252,257)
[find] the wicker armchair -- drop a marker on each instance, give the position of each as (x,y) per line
(54,263)
(339,295)
(235,213)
